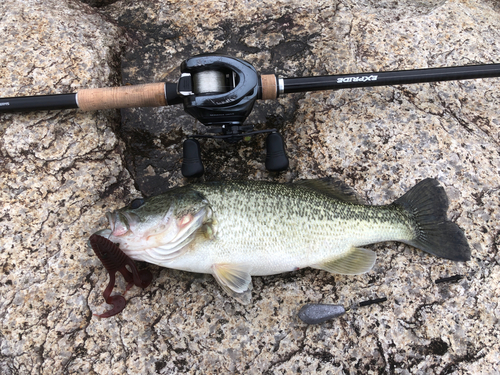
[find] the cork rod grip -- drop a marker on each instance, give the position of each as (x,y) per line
(269,86)
(147,95)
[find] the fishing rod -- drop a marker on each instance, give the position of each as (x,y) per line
(220,91)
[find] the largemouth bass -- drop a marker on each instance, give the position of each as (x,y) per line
(236,230)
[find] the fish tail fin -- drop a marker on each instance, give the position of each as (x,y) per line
(427,203)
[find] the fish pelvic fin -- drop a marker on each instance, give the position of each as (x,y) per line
(427,203)
(355,262)
(235,280)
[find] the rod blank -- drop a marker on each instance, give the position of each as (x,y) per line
(38,103)
(399,77)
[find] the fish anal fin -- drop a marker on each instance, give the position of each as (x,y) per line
(355,262)
(332,187)
(235,280)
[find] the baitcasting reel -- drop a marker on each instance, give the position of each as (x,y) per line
(220,92)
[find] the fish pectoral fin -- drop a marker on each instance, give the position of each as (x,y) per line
(233,276)
(244,298)
(355,262)
(207,231)
(235,280)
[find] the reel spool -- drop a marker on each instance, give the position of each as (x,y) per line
(209,82)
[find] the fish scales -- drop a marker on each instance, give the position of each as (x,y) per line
(291,227)
(235,230)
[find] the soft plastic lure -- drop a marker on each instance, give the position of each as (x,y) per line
(114,260)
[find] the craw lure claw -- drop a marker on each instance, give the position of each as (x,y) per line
(114,260)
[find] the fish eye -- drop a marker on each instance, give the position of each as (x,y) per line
(136,203)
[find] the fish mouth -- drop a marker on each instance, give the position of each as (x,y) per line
(120,223)
(112,219)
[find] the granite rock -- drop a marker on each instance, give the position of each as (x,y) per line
(55,166)
(62,170)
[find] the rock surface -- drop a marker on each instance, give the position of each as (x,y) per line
(62,170)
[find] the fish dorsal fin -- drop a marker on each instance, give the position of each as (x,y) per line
(332,187)
(235,280)
(355,262)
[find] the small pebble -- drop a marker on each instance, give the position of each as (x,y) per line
(316,313)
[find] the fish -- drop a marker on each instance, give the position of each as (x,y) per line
(238,229)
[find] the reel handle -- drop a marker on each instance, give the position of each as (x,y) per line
(276,159)
(191,160)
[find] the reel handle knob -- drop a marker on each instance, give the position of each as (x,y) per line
(276,159)
(191,159)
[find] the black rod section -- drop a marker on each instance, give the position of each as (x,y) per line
(400,77)
(38,103)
